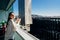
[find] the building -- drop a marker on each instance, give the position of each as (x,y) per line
(46,28)
(25,12)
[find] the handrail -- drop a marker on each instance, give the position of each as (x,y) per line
(25,34)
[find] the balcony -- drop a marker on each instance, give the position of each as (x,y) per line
(21,34)
(6,6)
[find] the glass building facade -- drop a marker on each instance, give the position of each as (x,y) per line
(21,8)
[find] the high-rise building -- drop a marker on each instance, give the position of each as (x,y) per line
(25,11)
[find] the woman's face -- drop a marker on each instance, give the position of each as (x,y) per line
(12,16)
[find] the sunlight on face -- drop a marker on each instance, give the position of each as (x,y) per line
(12,16)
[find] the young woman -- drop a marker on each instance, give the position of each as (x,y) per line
(11,28)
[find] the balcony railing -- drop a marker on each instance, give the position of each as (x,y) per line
(21,34)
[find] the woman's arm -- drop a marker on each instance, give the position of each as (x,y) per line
(18,21)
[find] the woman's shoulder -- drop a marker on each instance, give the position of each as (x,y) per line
(9,22)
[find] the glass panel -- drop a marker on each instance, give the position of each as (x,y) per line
(18,37)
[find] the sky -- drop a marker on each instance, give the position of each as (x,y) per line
(46,7)
(43,7)
(15,7)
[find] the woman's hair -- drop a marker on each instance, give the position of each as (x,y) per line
(9,17)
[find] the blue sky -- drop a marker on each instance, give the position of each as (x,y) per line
(43,7)
(15,7)
(46,7)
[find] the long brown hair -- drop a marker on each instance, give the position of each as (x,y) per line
(9,17)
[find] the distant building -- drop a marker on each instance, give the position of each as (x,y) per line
(45,28)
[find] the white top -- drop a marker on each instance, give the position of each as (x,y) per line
(10,30)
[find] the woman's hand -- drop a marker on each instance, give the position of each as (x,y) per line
(18,20)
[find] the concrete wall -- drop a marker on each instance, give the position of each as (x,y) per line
(28,18)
